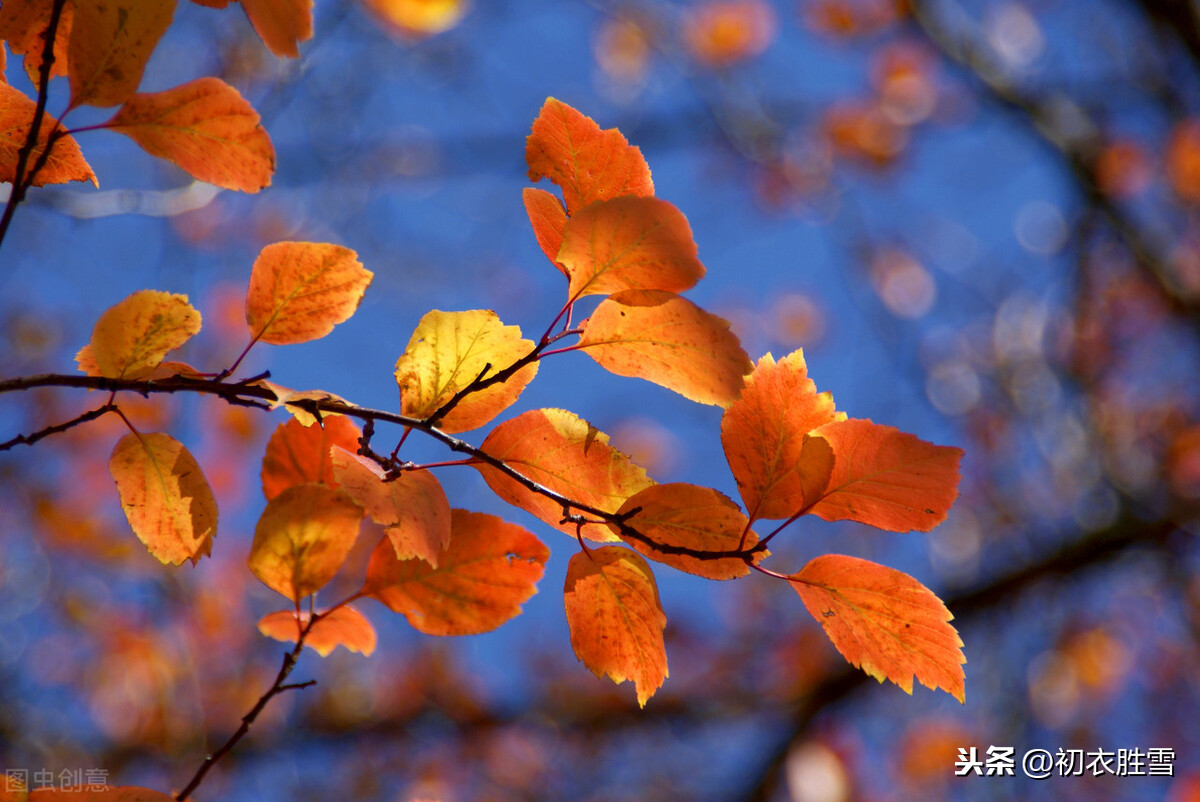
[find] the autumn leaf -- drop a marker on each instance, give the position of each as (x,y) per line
(65,163)
(688,527)
(628,243)
(666,339)
(417,19)
(342,626)
(616,618)
(300,290)
(204,127)
(302,539)
(450,350)
(412,507)
(111,41)
(763,434)
(588,164)
(297,454)
(564,453)
(131,338)
(884,621)
(885,477)
(488,571)
(548,217)
(165,497)
(24,26)
(719,33)
(281,24)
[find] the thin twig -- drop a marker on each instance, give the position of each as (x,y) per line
(30,439)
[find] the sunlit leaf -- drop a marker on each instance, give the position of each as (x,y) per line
(131,338)
(111,41)
(616,618)
(412,507)
(564,453)
(165,496)
(281,24)
(66,162)
(628,243)
(417,19)
(547,216)
(23,25)
(885,478)
(588,164)
(884,621)
(298,454)
(719,33)
(343,626)
(763,434)
(689,527)
(300,290)
(450,350)
(302,539)
(489,570)
(666,339)
(204,127)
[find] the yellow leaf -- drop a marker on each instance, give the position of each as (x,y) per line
(165,497)
(450,350)
(281,24)
(763,433)
(668,340)
(300,290)
(628,243)
(417,19)
(564,453)
(412,507)
(344,626)
(204,127)
(482,578)
(688,527)
(302,539)
(884,621)
(616,618)
(131,338)
(111,41)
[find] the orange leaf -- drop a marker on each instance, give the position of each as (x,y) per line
(66,162)
(417,19)
(300,290)
(298,454)
(547,216)
(589,164)
(666,339)
(204,127)
(885,478)
(24,25)
(111,41)
(763,434)
(131,338)
(412,507)
(884,621)
(343,626)
(302,539)
(687,527)
(165,496)
(724,32)
(616,618)
(281,24)
(628,244)
(450,350)
(564,453)
(489,569)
